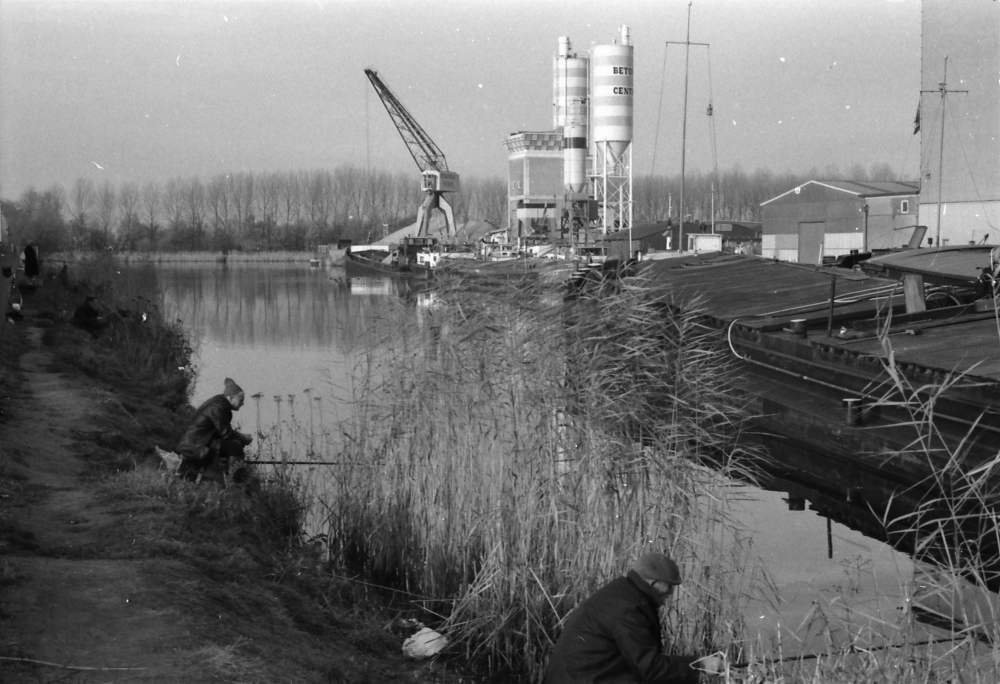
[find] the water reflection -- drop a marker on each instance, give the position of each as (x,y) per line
(287,305)
(293,333)
(281,330)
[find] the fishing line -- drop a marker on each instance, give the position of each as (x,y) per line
(855,649)
(659,111)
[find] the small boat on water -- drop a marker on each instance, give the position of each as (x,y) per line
(414,257)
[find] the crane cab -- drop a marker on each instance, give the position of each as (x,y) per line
(439,181)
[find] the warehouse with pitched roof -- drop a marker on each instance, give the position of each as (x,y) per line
(833,218)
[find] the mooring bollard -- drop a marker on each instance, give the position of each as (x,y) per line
(853,408)
(798,326)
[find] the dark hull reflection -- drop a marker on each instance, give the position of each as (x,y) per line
(954,546)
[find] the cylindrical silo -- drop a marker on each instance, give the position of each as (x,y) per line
(569,84)
(612,95)
(569,93)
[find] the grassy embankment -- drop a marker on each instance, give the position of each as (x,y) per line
(510,453)
(270,611)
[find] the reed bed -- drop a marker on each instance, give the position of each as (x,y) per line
(953,531)
(509,453)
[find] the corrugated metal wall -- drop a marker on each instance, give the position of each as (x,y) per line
(843,219)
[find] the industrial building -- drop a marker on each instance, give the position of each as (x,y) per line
(741,237)
(833,218)
(551,194)
(644,238)
(535,192)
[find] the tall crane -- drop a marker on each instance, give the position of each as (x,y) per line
(436,179)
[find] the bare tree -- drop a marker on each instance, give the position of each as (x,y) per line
(460,205)
(881,171)
(290,199)
(242,187)
(106,205)
(267,204)
(857,172)
(151,203)
(217,197)
(194,201)
(173,204)
(320,202)
(43,218)
(396,207)
(341,182)
(128,208)
(81,203)
(494,201)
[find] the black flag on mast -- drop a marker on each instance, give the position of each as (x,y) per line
(916,122)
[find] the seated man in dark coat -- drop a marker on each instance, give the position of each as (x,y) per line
(614,636)
(87,317)
(210,447)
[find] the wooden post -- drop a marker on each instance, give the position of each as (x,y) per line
(913,291)
(833,296)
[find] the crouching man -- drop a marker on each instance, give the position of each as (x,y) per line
(210,447)
(614,636)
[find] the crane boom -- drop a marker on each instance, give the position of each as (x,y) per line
(424,151)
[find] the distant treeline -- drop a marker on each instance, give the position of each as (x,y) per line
(297,210)
(737,194)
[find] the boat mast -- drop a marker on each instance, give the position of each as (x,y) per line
(687,55)
(944,93)
(687,45)
(943,89)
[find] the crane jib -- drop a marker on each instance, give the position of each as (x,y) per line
(422,148)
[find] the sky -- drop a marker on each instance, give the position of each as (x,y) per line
(143,90)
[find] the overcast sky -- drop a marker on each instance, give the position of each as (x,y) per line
(135,90)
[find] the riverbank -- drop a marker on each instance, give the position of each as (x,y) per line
(111,568)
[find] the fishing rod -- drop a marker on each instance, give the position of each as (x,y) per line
(852,649)
(312,463)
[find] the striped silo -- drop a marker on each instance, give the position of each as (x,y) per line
(569,112)
(612,97)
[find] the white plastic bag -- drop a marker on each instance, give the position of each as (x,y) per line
(424,644)
(171,461)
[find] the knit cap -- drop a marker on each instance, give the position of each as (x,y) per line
(655,567)
(232,389)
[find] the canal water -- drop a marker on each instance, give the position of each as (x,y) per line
(291,333)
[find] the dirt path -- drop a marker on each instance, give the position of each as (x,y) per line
(64,604)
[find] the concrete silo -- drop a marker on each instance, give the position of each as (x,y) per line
(612,93)
(570,80)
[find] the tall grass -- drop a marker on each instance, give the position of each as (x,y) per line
(948,523)
(150,346)
(953,531)
(511,452)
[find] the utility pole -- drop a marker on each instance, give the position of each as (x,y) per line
(943,89)
(687,45)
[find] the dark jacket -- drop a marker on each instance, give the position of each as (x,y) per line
(614,637)
(210,425)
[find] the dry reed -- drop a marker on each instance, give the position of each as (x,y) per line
(510,452)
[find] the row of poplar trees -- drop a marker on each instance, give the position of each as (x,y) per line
(300,209)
